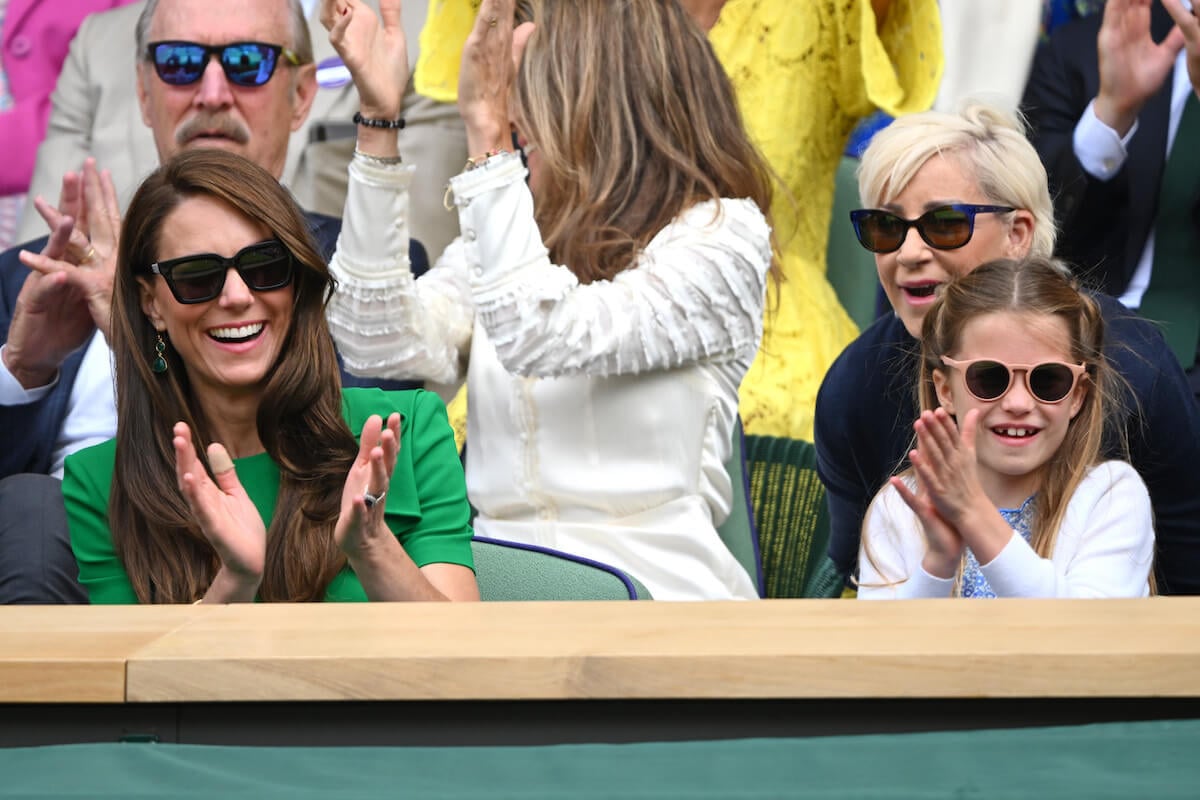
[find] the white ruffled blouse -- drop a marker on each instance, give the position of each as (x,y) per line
(600,414)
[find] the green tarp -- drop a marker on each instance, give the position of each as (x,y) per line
(1122,760)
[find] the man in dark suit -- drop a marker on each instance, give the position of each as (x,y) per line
(55,368)
(1104,100)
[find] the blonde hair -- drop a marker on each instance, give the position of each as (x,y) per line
(635,121)
(988,142)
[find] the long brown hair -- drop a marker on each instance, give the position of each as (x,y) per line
(300,422)
(635,121)
(1035,286)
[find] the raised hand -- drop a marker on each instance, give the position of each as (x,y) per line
(87,266)
(361,526)
(1132,66)
(489,60)
(373,49)
(50,317)
(1188,26)
(226,514)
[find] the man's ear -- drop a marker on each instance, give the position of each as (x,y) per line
(150,304)
(143,101)
(941,385)
(304,91)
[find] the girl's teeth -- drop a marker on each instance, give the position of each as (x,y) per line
(1016,432)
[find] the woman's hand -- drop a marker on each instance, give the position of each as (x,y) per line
(361,527)
(227,516)
(373,49)
(489,65)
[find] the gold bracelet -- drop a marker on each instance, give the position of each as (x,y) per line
(478,161)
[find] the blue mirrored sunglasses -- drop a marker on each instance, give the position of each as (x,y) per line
(180,63)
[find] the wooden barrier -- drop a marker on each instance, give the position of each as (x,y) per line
(225,663)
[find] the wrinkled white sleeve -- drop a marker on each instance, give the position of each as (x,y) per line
(385,323)
(696,292)
(891,550)
(1104,548)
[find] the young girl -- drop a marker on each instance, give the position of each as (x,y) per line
(1013,501)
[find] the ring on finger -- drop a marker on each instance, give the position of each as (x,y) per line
(89,255)
(492,22)
(372,499)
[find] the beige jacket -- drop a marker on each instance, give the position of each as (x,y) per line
(95,112)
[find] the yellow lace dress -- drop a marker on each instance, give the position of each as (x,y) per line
(805,72)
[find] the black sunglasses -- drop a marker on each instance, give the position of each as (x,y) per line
(988,379)
(943,228)
(197,279)
(245,63)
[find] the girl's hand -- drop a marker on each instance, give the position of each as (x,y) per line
(361,525)
(489,64)
(945,464)
(227,516)
(373,49)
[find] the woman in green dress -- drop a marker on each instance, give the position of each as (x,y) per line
(241,469)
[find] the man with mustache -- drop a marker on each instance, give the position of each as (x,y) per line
(55,371)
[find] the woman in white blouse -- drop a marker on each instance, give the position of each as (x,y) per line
(603,315)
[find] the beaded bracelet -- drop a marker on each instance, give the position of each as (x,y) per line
(359,119)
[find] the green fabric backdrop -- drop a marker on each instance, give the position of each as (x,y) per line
(1125,760)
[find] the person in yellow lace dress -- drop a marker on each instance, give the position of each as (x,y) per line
(805,73)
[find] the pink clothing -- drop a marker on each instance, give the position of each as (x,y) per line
(36,35)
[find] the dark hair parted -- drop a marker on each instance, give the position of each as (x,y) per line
(300,422)
(635,121)
(1037,287)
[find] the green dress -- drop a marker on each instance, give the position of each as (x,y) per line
(426,504)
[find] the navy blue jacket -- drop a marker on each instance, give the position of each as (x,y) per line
(28,432)
(867,404)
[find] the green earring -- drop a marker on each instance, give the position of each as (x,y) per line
(160,363)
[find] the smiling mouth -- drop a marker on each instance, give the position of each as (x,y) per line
(237,333)
(1011,432)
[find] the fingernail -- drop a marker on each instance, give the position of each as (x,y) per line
(220,461)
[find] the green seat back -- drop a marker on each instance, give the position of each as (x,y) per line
(792,517)
(849,266)
(516,571)
(737,531)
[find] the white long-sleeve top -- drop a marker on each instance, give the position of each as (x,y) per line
(1105,547)
(600,415)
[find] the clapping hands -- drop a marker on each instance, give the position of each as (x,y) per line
(948,486)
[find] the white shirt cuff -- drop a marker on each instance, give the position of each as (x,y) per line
(12,393)
(1098,147)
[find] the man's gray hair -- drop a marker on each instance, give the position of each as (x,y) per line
(301,43)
